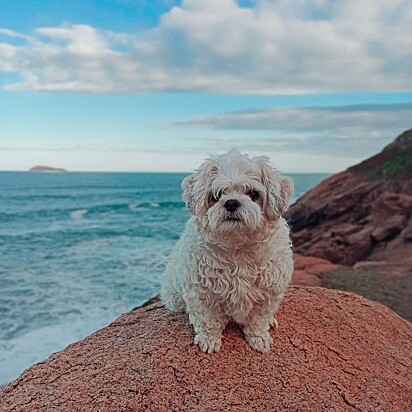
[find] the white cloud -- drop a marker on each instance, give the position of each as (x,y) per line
(8,51)
(218,46)
(7,56)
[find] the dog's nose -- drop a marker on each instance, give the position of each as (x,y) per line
(231,205)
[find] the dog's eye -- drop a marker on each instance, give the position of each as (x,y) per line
(214,197)
(254,195)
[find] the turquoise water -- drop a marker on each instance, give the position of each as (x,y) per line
(79,249)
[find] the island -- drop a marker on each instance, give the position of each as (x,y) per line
(47,169)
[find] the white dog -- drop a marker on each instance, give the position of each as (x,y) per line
(234,259)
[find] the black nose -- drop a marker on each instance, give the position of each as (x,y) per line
(231,205)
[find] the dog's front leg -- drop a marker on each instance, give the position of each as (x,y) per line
(257,333)
(208,327)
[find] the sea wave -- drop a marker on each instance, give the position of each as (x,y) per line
(136,206)
(78,214)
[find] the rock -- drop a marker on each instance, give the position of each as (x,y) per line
(308,270)
(307,262)
(389,228)
(360,213)
(154,299)
(302,278)
(407,232)
(333,351)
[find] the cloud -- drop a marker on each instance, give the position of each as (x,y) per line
(218,46)
(7,56)
(309,119)
(11,33)
(356,130)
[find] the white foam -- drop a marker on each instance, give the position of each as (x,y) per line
(78,214)
(21,352)
(136,207)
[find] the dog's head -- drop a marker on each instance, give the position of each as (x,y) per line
(236,193)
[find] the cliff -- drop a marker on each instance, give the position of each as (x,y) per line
(333,351)
(363,213)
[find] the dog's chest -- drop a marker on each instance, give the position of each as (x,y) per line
(238,283)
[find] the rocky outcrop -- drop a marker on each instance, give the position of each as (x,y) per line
(47,169)
(333,351)
(363,213)
(308,270)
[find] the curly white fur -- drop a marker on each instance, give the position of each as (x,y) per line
(232,265)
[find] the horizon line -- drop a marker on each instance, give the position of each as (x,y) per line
(140,171)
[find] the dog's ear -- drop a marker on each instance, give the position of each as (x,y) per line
(279,189)
(196,188)
(287,188)
(187,186)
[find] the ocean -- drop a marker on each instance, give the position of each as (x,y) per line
(79,249)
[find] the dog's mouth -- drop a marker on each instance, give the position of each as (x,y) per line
(233,219)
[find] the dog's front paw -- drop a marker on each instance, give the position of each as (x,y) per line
(208,344)
(260,343)
(273,322)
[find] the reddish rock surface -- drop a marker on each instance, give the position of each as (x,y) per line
(333,351)
(308,270)
(364,213)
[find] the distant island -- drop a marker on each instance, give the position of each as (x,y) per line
(47,169)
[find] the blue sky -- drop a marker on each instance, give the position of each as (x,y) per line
(125,85)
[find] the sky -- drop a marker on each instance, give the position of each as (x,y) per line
(135,85)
